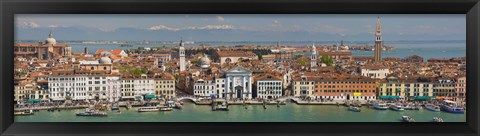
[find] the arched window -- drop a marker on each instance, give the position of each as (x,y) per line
(91,68)
(104,68)
(228,60)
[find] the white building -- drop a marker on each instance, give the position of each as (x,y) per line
(163,58)
(377,72)
(269,87)
(82,87)
(137,88)
(204,88)
(238,83)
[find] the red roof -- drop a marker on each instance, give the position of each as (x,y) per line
(117,51)
(98,51)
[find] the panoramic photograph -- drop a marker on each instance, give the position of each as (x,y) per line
(240,68)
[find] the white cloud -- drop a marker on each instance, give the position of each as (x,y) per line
(207,27)
(26,24)
(220,18)
(162,27)
(210,27)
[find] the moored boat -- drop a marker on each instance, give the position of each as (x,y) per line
(380,106)
(148,109)
(220,104)
(408,119)
(115,108)
(432,107)
(396,107)
(166,109)
(437,119)
(355,109)
(93,113)
(452,107)
(23,113)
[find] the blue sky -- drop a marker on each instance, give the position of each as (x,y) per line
(273,27)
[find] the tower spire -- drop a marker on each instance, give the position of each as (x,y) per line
(378,24)
(50,35)
(378,42)
(181,41)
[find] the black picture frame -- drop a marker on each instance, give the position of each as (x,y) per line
(11,7)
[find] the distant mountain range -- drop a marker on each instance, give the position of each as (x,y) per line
(137,34)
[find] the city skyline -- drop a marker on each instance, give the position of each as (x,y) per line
(239,27)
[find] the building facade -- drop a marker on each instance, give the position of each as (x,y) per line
(83,87)
(137,88)
(376,72)
(346,88)
(165,87)
(460,87)
(269,87)
(408,90)
(47,50)
(238,83)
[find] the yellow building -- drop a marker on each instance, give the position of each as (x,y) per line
(304,86)
(165,86)
(24,91)
(406,89)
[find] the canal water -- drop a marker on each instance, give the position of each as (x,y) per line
(290,112)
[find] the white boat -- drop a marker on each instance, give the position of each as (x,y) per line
(408,119)
(220,105)
(23,113)
(432,107)
(166,109)
(452,107)
(380,106)
(89,112)
(355,109)
(437,119)
(148,109)
(396,107)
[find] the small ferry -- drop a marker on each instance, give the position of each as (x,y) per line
(380,106)
(451,107)
(23,113)
(115,108)
(408,119)
(355,109)
(432,107)
(410,107)
(148,109)
(89,112)
(437,119)
(166,109)
(396,107)
(220,105)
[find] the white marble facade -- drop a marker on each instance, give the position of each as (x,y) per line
(238,83)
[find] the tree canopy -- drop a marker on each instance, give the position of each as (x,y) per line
(327,59)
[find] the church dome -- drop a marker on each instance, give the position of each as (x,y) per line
(50,39)
(105,60)
(204,62)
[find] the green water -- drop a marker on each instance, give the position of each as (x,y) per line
(290,112)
